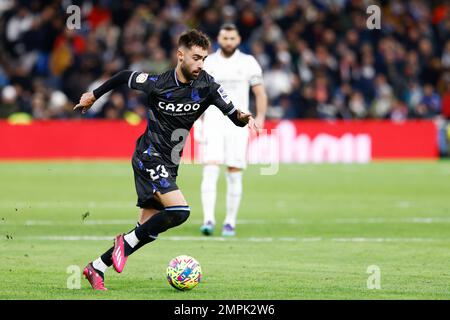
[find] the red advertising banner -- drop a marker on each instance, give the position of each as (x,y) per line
(285,141)
(345,141)
(69,139)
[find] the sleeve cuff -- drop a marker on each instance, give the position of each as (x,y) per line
(130,79)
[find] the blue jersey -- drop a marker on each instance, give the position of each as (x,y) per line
(173,107)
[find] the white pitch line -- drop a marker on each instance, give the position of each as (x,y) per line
(175,238)
(384,220)
(125,222)
(403,204)
(362,239)
(359,220)
(74,223)
(88,222)
(67,204)
(430,220)
(248,239)
(70,238)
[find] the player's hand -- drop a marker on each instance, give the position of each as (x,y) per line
(253,125)
(248,119)
(244,117)
(259,121)
(86,101)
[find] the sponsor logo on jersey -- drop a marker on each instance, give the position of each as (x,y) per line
(179,107)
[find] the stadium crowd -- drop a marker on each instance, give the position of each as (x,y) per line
(318,56)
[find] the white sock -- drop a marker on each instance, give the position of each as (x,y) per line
(234,193)
(99,265)
(209,192)
(131,239)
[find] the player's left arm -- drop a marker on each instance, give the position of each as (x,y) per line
(261,104)
(255,77)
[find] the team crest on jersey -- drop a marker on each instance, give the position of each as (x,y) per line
(195,96)
(141,77)
(223,95)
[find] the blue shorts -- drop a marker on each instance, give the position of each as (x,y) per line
(151,175)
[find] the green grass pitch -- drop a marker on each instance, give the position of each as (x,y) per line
(308,232)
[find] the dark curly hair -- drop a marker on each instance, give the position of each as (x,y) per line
(192,38)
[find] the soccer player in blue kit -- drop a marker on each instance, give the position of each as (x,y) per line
(176,98)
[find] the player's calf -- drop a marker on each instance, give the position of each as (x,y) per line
(168,218)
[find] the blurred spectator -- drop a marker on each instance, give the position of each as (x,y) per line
(115,108)
(257,50)
(446,55)
(413,95)
(39,107)
(278,81)
(357,105)
(430,105)
(9,103)
(399,111)
(307,103)
(382,104)
(341,99)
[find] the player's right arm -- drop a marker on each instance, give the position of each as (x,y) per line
(135,80)
(220,99)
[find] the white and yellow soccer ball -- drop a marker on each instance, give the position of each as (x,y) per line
(184,273)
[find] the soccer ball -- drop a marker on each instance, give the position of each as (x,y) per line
(184,273)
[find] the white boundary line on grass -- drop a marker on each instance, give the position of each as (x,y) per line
(119,205)
(67,204)
(88,222)
(248,239)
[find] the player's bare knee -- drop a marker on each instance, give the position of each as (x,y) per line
(146,214)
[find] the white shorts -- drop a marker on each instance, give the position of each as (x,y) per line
(222,141)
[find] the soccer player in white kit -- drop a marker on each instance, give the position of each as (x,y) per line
(224,143)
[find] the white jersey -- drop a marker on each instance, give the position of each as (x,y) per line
(236,74)
(223,142)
